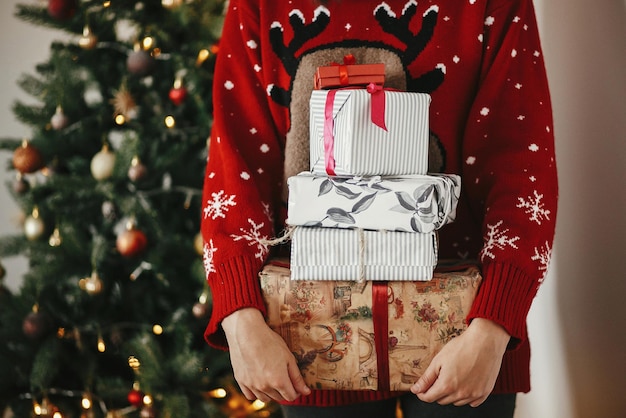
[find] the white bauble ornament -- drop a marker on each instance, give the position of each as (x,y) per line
(102,164)
(59,120)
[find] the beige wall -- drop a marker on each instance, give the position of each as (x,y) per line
(578,320)
(577,323)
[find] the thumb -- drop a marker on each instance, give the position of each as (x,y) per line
(297,380)
(426,380)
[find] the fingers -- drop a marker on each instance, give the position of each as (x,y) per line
(427,380)
(453,394)
(297,380)
(277,384)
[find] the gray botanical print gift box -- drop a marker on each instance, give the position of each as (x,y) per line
(419,203)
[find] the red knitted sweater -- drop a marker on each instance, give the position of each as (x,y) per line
(490,122)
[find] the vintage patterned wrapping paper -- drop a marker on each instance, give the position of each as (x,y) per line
(418,203)
(348,254)
(330,329)
(363,148)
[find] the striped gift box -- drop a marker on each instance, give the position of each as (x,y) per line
(357,254)
(363,148)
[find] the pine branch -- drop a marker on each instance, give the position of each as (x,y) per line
(39,16)
(11,246)
(10,144)
(46,365)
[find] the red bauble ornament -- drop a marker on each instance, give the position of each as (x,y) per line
(27,158)
(178,95)
(131,242)
(135,397)
(36,325)
(62,9)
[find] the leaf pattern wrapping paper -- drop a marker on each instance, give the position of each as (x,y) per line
(329,325)
(414,203)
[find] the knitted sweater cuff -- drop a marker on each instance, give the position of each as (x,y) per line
(504,297)
(234,286)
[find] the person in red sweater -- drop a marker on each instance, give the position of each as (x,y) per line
(490,122)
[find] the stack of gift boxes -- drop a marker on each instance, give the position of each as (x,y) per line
(360,305)
(368,209)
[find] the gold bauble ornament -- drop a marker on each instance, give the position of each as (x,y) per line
(55,239)
(88,40)
(92,285)
(34,227)
(198,243)
(171,4)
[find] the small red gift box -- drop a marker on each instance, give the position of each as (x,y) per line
(349,74)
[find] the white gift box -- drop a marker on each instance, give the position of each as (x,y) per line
(361,147)
(357,254)
(418,203)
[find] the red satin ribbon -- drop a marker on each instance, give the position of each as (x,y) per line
(377,116)
(344,78)
(378,105)
(329,136)
(380,316)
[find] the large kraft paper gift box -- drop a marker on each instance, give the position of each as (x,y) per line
(417,203)
(350,335)
(346,137)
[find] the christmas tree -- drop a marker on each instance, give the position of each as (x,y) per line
(109,319)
